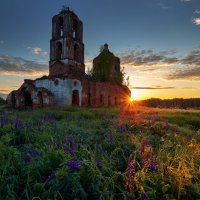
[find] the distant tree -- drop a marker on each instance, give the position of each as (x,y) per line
(2,101)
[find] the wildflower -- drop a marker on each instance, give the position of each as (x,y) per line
(18,124)
(98,164)
(165,170)
(145,196)
(145,143)
(69,146)
(145,162)
(73,164)
(131,170)
(166,126)
(50,178)
(154,163)
(34,152)
(27,157)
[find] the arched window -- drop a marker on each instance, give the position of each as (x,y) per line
(61,26)
(116,101)
(58,51)
(75,98)
(101,99)
(75,28)
(89,99)
(109,101)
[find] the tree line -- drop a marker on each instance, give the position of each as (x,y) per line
(171,103)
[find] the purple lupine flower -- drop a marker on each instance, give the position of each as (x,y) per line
(144,143)
(154,163)
(145,196)
(166,125)
(4,121)
(18,124)
(27,157)
(98,164)
(131,169)
(69,146)
(73,164)
(34,152)
(165,170)
(145,162)
(50,178)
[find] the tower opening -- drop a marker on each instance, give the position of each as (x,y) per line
(58,51)
(61,25)
(75,98)
(75,28)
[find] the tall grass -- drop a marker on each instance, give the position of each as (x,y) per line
(99,153)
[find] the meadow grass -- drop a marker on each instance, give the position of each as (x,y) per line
(99,153)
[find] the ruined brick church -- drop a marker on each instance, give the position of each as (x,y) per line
(67,82)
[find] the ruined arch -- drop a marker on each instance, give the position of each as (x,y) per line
(58,50)
(27,97)
(75,98)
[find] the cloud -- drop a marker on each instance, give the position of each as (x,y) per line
(88,62)
(196,21)
(197,11)
(37,51)
(4,96)
(10,65)
(165,63)
(193,58)
(163,6)
(153,87)
(186,0)
(185,73)
(148,58)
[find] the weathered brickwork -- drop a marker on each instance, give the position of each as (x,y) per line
(67,83)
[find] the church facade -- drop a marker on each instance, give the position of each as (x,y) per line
(67,82)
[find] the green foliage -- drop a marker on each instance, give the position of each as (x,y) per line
(37,146)
(2,101)
(103,68)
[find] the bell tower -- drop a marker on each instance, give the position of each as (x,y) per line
(66,44)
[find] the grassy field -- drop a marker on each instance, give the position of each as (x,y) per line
(99,153)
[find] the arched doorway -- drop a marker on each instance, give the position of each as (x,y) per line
(40,98)
(109,101)
(13,99)
(101,99)
(89,99)
(75,98)
(27,97)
